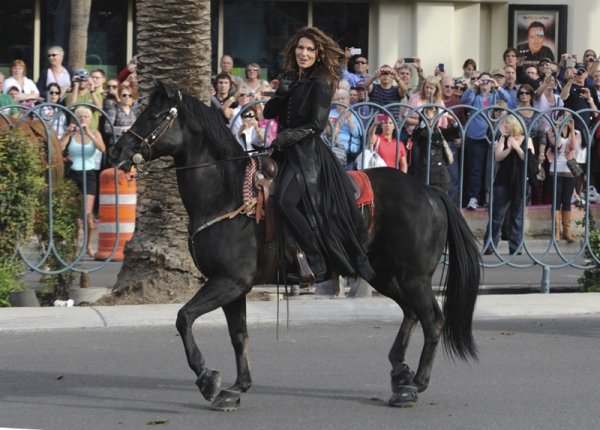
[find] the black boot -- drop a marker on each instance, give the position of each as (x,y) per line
(310,247)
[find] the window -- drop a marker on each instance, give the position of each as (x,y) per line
(347,23)
(258,31)
(16,22)
(106,37)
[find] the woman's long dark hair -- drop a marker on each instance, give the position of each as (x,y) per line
(329,54)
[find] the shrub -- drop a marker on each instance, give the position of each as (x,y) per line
(590,280)
(21,184)
(66,207)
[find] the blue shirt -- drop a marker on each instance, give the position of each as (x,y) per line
(88,159)
(478,127)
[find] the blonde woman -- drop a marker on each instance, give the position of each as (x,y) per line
(510,152)
(81,154)
(253,82)
(429,92)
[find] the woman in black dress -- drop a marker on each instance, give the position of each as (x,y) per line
(314,194)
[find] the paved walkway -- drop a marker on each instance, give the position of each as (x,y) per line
(302,309)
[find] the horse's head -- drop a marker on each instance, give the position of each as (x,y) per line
(154,133)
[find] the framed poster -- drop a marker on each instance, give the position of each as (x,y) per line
(537,31)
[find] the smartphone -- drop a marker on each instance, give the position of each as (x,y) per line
(441,67)
(268,93)
(381,118)
(355,51)
(409,60)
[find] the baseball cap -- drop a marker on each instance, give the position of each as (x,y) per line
(81,73)
(497,72)
(580,66)
(545,60)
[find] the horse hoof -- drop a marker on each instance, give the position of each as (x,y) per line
(404,397)
(209,383)
(403,377)
(226,401)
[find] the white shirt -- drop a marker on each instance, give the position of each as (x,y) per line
(28,87)
(63,79)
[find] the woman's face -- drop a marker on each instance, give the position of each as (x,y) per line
(125,97)
(252,72)
(84,118)
(468,69)
(306,53)
(387,126)
(429,90)
(17,71)
(53,94)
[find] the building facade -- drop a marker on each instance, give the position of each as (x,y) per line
(256,31)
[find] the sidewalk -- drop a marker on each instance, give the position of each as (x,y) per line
(302,309)
(502,295)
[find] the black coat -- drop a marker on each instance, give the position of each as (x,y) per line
(327,193)
(438,164)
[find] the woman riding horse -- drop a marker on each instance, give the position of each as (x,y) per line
(314,193)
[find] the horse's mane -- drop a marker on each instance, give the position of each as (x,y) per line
(221,140)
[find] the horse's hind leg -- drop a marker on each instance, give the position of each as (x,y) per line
(431,318)
(401,373)
(217,292)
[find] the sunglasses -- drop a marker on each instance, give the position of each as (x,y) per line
(54,93)
(248,115)
(524,93)
(53,55)
(360,62)
(385,73)
(458,87)
(125,95)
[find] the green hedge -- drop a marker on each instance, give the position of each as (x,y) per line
(21,185)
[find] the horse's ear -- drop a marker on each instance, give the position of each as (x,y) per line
(170,91)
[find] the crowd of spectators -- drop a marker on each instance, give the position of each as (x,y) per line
(419,112)
(84,133)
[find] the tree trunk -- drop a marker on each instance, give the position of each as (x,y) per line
(173,45)
(80,20)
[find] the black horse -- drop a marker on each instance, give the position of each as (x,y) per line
(413,225)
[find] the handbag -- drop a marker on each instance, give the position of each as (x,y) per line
(369,158)
(574,167)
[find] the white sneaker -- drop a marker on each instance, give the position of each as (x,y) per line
(593,195)
(472,205)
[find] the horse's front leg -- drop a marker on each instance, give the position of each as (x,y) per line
(217,292)
(229,399)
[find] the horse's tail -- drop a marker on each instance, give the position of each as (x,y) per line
(462,284)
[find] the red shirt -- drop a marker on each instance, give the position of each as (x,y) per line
(387,150)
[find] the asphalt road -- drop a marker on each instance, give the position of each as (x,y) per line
(532,374)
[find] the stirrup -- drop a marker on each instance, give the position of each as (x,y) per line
(307,277)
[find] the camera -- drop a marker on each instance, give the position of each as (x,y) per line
(409,60)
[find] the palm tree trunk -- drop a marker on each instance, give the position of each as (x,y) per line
(173,45)
(78,38)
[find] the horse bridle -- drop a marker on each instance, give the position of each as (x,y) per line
(152,138)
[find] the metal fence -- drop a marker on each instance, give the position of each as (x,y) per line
(543,249)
